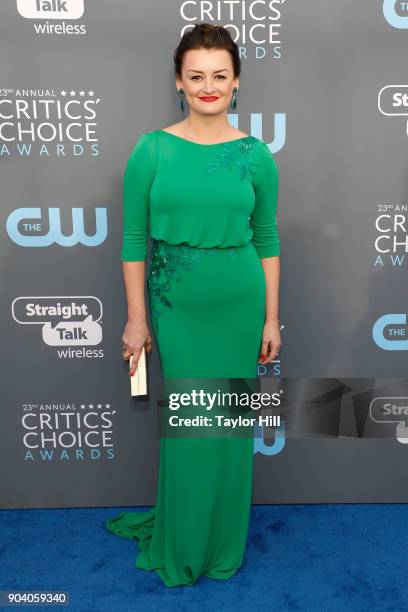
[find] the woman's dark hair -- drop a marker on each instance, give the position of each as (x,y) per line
(207,36)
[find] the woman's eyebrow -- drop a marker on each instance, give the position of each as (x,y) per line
(193,70)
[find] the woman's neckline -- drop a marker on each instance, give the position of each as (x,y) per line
(200,144)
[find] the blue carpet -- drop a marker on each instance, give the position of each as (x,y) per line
(327,558)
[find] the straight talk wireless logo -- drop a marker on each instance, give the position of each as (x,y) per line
(72,321)
(54,13)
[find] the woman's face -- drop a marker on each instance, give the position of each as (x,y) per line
(207,73)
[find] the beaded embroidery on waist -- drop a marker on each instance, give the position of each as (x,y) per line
(169,263)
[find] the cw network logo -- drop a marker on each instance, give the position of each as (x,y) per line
(256,129)
(51,9)
(24,231)
(264,448)
(396,20)
(390,332)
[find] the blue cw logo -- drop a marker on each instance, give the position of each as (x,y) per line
(279,128)
(391,15)
(269,449)
(55,235)
(396,331)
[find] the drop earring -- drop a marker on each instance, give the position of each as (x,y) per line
(234,99)
(181,97)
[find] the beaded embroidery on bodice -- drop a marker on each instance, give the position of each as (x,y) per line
(235,154)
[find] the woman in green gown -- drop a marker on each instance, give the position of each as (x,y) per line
(210,209)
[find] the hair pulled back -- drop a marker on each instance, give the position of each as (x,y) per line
(207,36)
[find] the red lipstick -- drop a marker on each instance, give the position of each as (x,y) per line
(208,98)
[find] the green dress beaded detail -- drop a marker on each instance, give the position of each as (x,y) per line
(236,154)
(168,262)
(200,172)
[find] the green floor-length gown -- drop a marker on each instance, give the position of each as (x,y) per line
(211,213)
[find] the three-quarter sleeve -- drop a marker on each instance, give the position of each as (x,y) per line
(137,181)
(263,218)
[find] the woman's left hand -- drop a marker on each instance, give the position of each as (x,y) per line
(271,342)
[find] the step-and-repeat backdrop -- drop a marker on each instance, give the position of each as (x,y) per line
(324,84)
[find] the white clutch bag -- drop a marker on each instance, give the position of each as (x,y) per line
(138,382)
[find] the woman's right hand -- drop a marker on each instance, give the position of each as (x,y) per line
(136,335)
